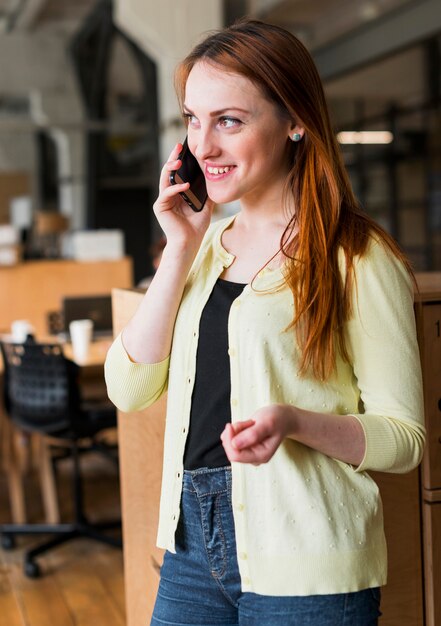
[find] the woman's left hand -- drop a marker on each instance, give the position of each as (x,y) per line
(257,439)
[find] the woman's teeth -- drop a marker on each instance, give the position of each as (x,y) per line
(219,170)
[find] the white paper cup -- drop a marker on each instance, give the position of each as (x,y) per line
(20,329)
(81,336)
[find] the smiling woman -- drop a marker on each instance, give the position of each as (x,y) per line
(285,336)
(242,148)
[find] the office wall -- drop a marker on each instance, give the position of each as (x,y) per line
(166,31)
(36,67)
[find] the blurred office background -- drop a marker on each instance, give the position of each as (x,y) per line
(87,116)
(88,112)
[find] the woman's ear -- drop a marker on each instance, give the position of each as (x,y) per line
(296,133)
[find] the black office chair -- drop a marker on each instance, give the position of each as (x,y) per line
(41,395)
(55,322)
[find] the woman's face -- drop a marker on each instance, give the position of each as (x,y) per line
(239,137)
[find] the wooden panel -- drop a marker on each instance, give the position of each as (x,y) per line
(434,495)
(31,289)
(430,345)
(429,286)
(432,562)
(141,445)
(11,184)
(402,597)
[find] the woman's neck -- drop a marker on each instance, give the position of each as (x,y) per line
(262,213)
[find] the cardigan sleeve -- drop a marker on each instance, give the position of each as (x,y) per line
(133,386)
(383,346)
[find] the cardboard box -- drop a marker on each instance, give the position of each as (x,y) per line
(93,245)
(10,255)
(9,235)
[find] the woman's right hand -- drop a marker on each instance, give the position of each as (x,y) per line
(181,225)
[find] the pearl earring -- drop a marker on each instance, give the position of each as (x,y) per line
(296,137)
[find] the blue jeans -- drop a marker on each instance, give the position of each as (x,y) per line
(200,584)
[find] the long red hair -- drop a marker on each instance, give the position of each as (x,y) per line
(327,215)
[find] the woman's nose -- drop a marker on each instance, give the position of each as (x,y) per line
(205,145)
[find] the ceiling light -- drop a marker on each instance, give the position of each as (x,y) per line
(369,11)
(365,137)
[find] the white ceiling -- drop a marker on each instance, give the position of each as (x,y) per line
(43,15)
(319,21)
(315,21)
(400,77)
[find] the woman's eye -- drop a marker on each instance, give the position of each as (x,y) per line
(190,119)
(229,122)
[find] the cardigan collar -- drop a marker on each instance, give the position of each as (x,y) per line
(265,279)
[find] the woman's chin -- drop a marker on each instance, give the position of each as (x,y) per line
(222,197)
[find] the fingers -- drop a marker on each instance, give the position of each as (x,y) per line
(249,442)
(168,193)
(226,438)
(240,426)
(261,453)
(173,190)
(173,163)
(241,434)
(249,436)
(174,154)
(248,453)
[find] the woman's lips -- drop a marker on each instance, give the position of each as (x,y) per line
(217,172)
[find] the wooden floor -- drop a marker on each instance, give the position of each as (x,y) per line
(82,581)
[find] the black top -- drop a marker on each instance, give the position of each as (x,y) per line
(210,405)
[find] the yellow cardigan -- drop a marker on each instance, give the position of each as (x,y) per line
(305,523)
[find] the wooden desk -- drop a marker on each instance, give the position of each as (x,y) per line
(92,370)
(412,502)
(31,289)
(95,358)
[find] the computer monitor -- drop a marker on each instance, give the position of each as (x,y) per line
(96,308)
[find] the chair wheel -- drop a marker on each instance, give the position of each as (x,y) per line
(8,541)
(32,569)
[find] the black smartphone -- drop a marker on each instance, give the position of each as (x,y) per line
(190,172)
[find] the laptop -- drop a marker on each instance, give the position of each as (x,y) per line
(96,308)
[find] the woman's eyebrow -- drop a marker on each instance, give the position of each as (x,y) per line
(220,111)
